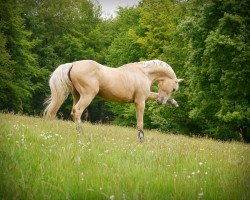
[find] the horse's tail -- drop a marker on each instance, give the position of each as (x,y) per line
(60,87)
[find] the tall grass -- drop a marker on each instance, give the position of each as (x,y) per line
(51,160)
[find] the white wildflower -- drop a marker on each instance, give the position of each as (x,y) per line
(200,195)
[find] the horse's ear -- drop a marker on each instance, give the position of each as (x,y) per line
(180,80)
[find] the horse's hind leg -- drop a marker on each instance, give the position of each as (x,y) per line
(80,106)
(76,97)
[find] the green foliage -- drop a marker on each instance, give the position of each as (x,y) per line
(18,63)
(218,67)
(124,48)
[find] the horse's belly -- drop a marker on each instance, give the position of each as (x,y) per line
(119,97)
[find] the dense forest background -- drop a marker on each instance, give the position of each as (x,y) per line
(205,41)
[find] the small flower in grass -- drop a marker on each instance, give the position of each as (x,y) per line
(78,159)
(200,195)
(193,173)
(200,163)
(188,176)
(23,138)
(15,127)
(206,173)
(112,197)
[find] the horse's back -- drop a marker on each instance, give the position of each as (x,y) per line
(85,65)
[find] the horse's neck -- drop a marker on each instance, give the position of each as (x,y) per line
(157,71)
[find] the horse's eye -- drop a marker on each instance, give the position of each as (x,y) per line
(174,90)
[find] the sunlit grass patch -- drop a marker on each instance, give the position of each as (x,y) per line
(51,160)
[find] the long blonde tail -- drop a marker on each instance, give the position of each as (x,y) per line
(60,87)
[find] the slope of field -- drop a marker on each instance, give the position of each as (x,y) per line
(52,160)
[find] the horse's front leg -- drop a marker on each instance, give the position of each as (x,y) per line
(153,96)
(139,116)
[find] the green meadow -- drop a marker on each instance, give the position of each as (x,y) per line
(52,160)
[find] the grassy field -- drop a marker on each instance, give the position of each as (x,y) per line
(51,160)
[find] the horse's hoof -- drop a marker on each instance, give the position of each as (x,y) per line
(140,136)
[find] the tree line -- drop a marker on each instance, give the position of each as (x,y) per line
(205,41)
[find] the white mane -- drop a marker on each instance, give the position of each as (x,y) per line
(159,63)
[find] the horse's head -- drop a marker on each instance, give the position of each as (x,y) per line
(165,89)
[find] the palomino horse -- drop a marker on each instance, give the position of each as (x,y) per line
(129,83)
